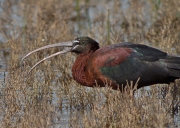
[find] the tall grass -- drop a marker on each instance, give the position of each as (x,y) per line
(49,97)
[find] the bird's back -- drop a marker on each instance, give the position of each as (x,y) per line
(126,61)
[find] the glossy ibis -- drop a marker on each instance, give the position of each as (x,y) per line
(117,63)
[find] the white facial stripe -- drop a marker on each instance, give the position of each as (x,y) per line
(75,47)
(75,41)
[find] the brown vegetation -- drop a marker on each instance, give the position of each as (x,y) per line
(49,97)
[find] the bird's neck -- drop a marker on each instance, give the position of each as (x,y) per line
(79,70)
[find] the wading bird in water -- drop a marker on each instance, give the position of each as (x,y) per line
(117,63)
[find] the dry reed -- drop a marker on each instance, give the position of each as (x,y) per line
(49,97)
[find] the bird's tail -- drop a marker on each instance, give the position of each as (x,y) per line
(173,65)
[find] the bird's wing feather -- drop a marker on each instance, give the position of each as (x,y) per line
(127,61)
(145,52)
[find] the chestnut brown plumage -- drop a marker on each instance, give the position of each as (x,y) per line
(117,63)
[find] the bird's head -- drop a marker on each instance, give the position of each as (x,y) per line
(79,45)
(84,45)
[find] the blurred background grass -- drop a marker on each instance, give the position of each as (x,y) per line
(49,97)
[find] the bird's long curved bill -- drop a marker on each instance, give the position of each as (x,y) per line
(65,44)
(55,54)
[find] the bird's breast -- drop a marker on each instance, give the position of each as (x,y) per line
(80,73)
